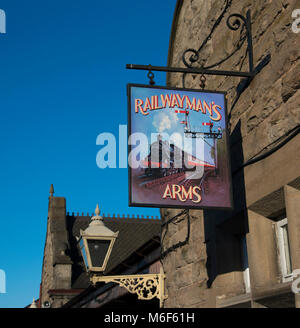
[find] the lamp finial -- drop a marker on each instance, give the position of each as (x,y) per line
(33,304)
(97,210)
(97,217)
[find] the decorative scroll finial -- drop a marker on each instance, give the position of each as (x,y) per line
(51,190)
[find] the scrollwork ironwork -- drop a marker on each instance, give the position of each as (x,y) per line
(190,56)
(146,286)
(236,24)
(193,58)
(196,53)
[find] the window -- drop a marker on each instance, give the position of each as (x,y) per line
(284,250)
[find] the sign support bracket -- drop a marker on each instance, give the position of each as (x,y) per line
(234,22)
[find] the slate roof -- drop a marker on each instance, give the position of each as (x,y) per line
(133,234)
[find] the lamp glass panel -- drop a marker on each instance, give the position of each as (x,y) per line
(98,249)
(83,252)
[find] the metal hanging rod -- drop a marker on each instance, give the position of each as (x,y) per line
(234,22)
(188,70)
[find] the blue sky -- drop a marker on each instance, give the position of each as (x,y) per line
(62,83)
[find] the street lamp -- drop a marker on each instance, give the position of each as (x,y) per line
(96,243)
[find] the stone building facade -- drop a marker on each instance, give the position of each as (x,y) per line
(244,257)
(65,281)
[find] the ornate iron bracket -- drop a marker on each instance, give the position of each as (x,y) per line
(234,22)
(146,286)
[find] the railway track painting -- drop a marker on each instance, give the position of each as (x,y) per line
(163,180)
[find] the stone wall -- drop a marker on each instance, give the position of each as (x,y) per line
(210,267)
(57,265)
(47,271)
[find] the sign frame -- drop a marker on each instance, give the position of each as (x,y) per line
(228,157)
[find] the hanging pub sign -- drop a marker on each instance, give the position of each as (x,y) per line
(178,148)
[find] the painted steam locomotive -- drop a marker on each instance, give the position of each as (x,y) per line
(165,159)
